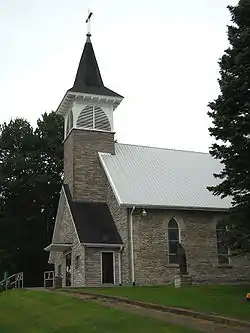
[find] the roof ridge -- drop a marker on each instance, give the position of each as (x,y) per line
(162,148)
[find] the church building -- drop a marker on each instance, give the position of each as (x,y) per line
(123,208)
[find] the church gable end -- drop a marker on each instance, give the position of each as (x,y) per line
(64,230)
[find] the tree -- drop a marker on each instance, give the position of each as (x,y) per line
(31,164)
(230,114)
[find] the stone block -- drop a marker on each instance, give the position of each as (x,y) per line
(182,281)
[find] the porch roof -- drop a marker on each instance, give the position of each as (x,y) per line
(58,247)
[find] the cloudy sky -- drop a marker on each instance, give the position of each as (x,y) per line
(161,55)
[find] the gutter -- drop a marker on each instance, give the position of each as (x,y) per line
(146,206)
(132,246)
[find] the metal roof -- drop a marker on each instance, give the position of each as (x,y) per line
(164,178)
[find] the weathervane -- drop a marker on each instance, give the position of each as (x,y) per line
(88,22)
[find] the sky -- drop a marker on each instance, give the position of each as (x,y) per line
(161,55)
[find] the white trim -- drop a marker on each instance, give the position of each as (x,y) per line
(109,178)
(57,215)
(92,129)
(101,245)
(71,216)
(51,259)
(100,97)
(70,96)
(63,246)
(86,129)
(108,251)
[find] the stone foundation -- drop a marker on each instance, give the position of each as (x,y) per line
(182,281)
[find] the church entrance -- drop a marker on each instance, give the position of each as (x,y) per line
(68,269)
(107,259)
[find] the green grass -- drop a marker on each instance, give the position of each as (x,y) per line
(41,312)
(228,300)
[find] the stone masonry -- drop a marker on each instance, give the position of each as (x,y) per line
(93,266)
(198,236)
(87,181)
(67,234)
(120,216)
(82,168)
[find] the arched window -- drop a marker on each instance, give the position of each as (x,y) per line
(93,117)
(222,249)
(173,240)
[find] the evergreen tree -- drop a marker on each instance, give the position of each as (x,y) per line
(230,114)
(31,164)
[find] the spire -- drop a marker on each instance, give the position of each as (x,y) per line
(88,77)
(88,73)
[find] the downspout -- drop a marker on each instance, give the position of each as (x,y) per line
(120,266)
(132,246)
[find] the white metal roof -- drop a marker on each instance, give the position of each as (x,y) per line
(165,178)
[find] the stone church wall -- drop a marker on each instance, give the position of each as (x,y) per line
(67,234)
(93,266)
(198,236)
(121,220)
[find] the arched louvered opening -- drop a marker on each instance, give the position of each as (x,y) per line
(93,117)
(173,241)
(85,118)
(101,120)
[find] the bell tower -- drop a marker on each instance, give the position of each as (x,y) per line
(87,109)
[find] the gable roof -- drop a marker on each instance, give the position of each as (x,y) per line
(162,178)
(93,220)
(88,77)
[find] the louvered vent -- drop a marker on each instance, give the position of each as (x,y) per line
(101,120)
(90,116)
(85,118)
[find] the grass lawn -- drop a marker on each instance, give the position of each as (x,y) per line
(228,300)
(41,312)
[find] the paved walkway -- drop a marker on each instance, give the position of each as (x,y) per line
(191,322)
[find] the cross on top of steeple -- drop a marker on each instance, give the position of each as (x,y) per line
(88,23)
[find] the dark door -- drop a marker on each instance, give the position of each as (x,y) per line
(108,267)
(68,269)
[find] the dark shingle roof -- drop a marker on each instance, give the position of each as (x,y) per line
(88,77)
(93,221)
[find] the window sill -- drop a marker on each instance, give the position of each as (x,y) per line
(173,266)
(224,266)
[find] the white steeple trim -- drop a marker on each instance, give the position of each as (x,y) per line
(70,97)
